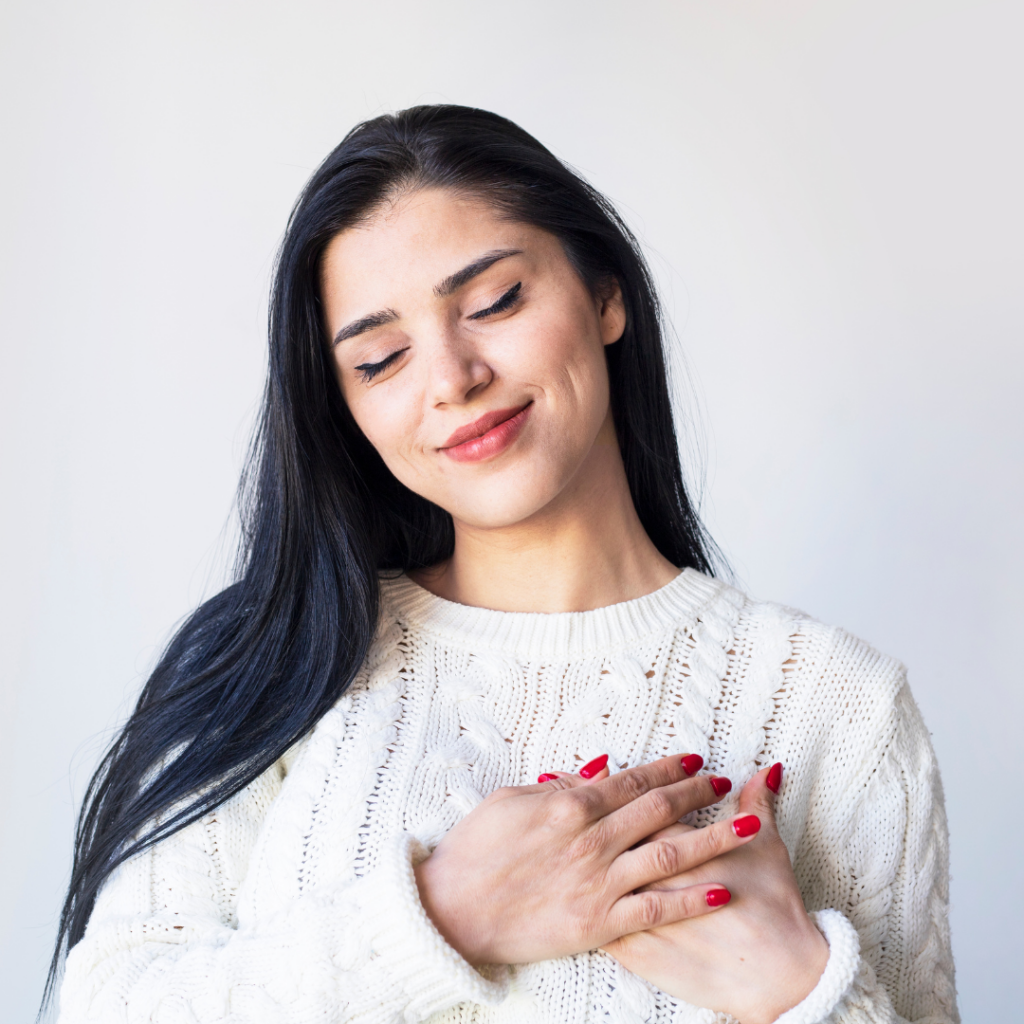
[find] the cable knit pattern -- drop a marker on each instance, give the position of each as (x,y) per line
(295,902)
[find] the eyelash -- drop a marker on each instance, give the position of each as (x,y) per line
(507,300)
(371,370)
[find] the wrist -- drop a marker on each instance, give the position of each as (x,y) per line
(441,904)
(839,974)
(411,957)
(806,968)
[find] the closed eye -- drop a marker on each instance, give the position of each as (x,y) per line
(505,302)
(370,370)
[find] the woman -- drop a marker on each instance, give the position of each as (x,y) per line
(470,561)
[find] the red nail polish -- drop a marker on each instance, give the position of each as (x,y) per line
(748,825)
(774,777)
(591,768)
(546,777)
(692,763)
(720,785)
(718,897)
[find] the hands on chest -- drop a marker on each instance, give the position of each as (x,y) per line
(710,915)
(757,958)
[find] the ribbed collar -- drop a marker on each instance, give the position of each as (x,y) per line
(551,635)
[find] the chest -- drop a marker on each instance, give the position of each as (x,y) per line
(428,730)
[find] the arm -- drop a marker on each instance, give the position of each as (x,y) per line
(162,944)
(876,868)
(896,862)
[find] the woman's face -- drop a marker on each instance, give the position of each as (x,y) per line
(470,354)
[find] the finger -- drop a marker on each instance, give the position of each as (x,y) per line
(642,911)
(596,770)
(627,786)
(656,809)
(576,780)
(674,855)
(593,768)
(676,829)
(592,771)
(554,781)
(759,794)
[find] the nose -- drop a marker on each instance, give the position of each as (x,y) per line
(458,371)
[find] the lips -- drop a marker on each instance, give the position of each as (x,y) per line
(488,435)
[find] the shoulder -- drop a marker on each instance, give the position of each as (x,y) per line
(828,695)
(817,661)
(838,714)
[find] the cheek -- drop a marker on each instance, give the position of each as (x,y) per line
(580,395)
(567,361)
(388,418)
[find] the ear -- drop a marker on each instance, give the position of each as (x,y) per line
(612,311)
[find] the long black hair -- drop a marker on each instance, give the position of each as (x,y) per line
(254,668)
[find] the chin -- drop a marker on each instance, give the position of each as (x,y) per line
(493,509)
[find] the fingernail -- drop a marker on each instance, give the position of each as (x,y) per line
(546,777)
(692,763)
(774,778)
(748,825)
(591,768)
(718,897)
(720,785)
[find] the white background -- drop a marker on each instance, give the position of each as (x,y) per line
(830,193)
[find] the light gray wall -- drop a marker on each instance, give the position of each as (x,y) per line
(831,193)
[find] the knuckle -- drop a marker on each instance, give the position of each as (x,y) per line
(568,811)
(707,843)
(691,903)
(587,845)
(665,858)
(660,804)
(648,910)
(633,785)
(587,801)
(559,817)
(719,838)
(559,783)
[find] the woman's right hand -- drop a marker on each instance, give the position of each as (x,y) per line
(544,871)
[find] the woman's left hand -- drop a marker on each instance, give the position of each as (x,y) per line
(755,958)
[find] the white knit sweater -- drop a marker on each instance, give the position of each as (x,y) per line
(295,901)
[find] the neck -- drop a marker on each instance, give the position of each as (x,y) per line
(586,549)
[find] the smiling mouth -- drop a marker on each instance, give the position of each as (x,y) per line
(487,436)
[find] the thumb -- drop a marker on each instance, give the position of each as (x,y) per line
(759,794)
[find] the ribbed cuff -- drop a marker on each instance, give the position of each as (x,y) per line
(409,951)
(835,981)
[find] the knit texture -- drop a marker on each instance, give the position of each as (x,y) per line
(295,901)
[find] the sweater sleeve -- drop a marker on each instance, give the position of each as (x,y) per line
(163,944)
(890,960)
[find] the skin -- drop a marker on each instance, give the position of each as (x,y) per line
(727,955)
(548,524)
(519,518)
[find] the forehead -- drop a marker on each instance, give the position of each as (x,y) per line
(415,241)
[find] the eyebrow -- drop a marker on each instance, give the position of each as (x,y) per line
(363,324)
(447,287)
(471,270)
